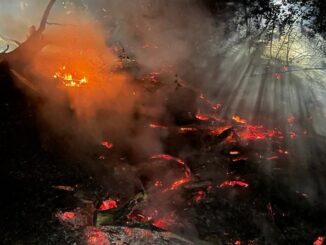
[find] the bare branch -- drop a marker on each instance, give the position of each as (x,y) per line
(45,16)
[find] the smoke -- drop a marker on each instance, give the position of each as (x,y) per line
(182,42)
(182,37)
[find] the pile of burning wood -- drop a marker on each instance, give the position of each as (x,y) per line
(199,190)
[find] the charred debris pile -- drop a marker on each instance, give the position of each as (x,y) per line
(208,185)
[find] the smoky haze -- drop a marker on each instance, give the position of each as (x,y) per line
(178,39)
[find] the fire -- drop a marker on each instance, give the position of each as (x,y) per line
(238,119)
(69,79)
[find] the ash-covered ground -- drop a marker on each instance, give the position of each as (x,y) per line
(231,198)
(151,124)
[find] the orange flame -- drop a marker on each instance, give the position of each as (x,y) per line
(69,79)
(238,119)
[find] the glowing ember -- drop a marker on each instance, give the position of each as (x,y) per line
(65,216)
(272,157)
(73,219)
(202,117)
(178,183)
(95,236)
(200,195)
(219,130)
(69,79)
(320,240)
(211,104)
(232,183)
(234,152)
(155,125)
(168,158)
(107,144)
(158,183)
(257,132)
(187,172)
(160,223)
(108,204)
(163,222)
(188,129)
(238,119)
(253,133)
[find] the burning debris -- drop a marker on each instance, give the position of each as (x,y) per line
(123,235)
(107,144)
(319,241)
(233,183)
(75,219)
(108,204)
(69,79)
(178,163)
